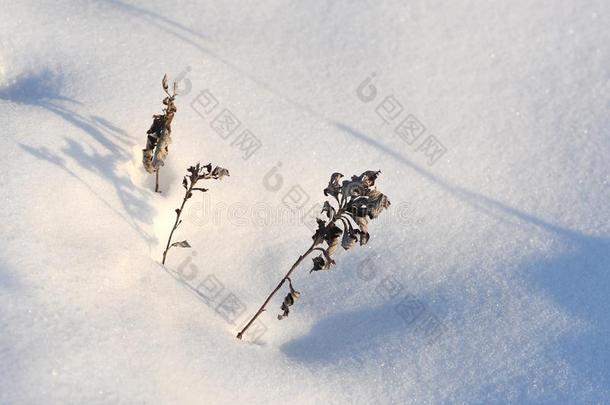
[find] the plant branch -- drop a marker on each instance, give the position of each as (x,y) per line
(281,283)
(157,180)
(312,248)
(357,199)
(178,213)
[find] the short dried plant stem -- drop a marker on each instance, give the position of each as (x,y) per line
(197,173)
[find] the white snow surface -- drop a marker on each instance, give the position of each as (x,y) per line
(504,241)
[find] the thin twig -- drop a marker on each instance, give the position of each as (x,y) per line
(178,213)
(286,277)
(189,181)
(312,248)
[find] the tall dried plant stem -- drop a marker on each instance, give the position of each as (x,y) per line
(359,201)
(262,308)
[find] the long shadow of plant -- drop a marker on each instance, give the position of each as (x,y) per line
(349,334)
(8,279)
(43,89)
(157,19)
(579,281)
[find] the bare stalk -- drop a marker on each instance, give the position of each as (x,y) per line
(157,180)
(196,173)
(281,283)
(312,248)
(177,222)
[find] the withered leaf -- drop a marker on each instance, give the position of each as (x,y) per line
(332,238)
(376,203)
(219,172)
(157,125)
(328,209)
(147,157)
(368,178)
(364,238)
(318,236)
(289,301)
(318,263)
(358,206)
(333,232)
(333,185)
(182,244)
(329,261)
(349,240)
(162,148)
(363,224)
(352,188)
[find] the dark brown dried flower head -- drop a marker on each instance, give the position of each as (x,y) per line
(358,201)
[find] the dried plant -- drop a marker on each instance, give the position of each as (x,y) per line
(195,173)
(357,201)
(159,135)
